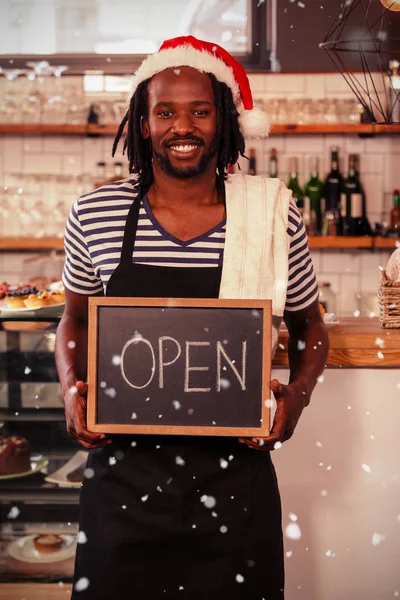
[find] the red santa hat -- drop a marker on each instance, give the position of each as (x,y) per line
(209,58)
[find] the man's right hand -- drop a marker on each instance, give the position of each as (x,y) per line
(75,404)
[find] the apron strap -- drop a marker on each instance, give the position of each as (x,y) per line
(130,230)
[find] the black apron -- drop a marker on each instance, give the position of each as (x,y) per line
(162,517)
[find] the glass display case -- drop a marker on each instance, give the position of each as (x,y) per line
(42,501)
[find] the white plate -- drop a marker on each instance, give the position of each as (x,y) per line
(60,476)
(24,550)
(4,308)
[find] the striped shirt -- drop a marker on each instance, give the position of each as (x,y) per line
(95,230)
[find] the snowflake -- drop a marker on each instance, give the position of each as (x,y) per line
(223,463)
(301,345)
(330,554)
(366,468)
(81,538)
(179,461)
(277,445)
(321,379)
(225,383)
(112,461)
(380,355)
(208,501)
(71,344)
(116,360)
(319,444)
(134,415)
(324,493)
(88,473)
(380,342)
(177,71)
(119,455)
(144,498)
(124,507)
(223,529)
(293,531)
(239,578)
(110,392)
(269,403)
(289,554)
(27,371)
(82,584)
(14,513)
(377,539)
(176,404)
(103,384)
(133,444)
(293,517)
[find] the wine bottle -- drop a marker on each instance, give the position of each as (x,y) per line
(252,162)
(333,183)
(293,183)
(394,230)
(360,224)
(314,189)
(273,163)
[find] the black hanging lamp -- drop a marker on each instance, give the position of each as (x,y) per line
(364,44)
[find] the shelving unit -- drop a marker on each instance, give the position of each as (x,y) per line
(292,129)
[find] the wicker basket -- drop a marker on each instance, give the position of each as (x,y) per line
(389,303)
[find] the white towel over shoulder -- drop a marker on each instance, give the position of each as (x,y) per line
(256,249)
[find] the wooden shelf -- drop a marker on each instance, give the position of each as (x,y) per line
(30,243)
(340,242)
(316,243)
(353,343)
(381,242)
(294,129)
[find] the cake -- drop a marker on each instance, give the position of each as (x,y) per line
(15,454)
(48,543)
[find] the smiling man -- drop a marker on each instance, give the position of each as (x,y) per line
(174,516)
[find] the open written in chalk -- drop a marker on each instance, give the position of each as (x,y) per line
(179,366)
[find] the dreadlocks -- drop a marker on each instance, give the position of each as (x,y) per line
(229,138)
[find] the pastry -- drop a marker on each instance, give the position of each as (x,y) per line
(58,295)
(17,298)
(48,543)
(38,300)
(15,454)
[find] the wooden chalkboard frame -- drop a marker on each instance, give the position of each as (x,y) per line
(95,303)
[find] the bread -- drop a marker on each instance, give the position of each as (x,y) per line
(48,543)
(58,295)
(16,299)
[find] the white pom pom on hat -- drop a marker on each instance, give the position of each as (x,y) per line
(209,58)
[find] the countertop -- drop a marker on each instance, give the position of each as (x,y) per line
(354,342)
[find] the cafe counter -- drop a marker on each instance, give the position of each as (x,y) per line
(355,342)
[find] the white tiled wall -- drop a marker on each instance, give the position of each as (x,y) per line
(351,273)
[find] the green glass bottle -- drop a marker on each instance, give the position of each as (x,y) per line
(293,183)
(314,190)
(273,163)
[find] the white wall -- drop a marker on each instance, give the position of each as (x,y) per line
(349,516)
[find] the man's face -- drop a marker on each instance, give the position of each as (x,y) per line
(182,122)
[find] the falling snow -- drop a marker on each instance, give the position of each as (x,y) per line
(82,584)
(179,461)
(293,517)
(330,554)
(103,384)
(301,345)
(324,493)
(223,529)
(112,461)
(289,554)
(144,498)
(223,463)
(89,473)
(81,538)
(366,468)
(239,578)
(27,371)
(293,531)
(225,383)
(116,360)
(134,415)
(71,344)
(208,501)
(377,539)
(277,445)
(319,444)
(176,404)
(110,392)
(14,512)
(269,403)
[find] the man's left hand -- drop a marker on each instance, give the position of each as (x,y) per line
(290,401)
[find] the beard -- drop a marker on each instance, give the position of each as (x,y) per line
(185,172)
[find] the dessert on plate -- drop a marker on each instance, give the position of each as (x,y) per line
(15,453)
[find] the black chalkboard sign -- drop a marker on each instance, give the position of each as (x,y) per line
(179,366)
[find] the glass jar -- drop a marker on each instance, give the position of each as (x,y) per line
(327,296)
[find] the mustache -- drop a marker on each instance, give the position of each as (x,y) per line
(182,140)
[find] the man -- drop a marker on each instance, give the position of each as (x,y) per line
(179,228)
